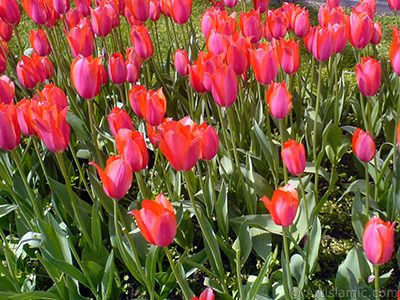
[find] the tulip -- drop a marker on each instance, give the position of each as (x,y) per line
(117,68)
(117,119)
(300,22)
(283,205)
(141,41)
(6,31)
(180,143)
(250,25)
(181,10)
(265,63)
(91,70)
(333,3)
(224,86)
(48,67)
(37,10)
(133,65)
(154,12)
(205,67)
(209,141)
(131,145)
(279,100)
(54,95)
(378,240)
(181,62)
(276,23)
(376,34)
(7,89)
(10,136)
(332,16)
(367,6)
(39,42)
(368,74)
(148,104)
(217,43)
(393,4)
(322,43)
(24,115)
(61,6)
(103,19)
(294,157)
(195,79)
(394,51)
(339,33)
(230,3)
(363,145)
(140,9)
(238,54)
(9,12)
(288,54)
(116,177)
(207,294)
(360,29)
(81,40)
(30,72)
(157,221)
(83,6)
(52,127)
(261,5)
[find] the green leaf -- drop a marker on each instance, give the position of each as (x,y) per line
(262,242)
(264,222)
(34,295)
(243,243)
(107,280)
(221,210)
(5,209)
(79,128)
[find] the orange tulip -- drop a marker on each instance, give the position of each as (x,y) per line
(288,53)
(10,135)
(7,89)
(30,71)
(116,177)
(81,40)
(238,54)
(54,95)
(378,240)
(339,33)
(363,145)
(283,205)
(24,115)
(157,221)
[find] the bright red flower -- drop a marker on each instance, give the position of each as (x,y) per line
(30,71)
(322,42)
(140,9)
(283,205)
(7,89)
(394,51)
(363,145)
(81,40)
(131,145)
(261,5)
(181,10)
(37,10)
(360,29)
(9,12)
(209,141)
(265,63)
(288,53)
(24,115)
(117,119)
(117,68)
(10,136)
(39,42)
(6,31)
(181,62)
(104,18)
(141,41)
(279,100)
(207,294)
(61,6)
(376,34)
(378,240)
(238,54)
(157,221)
(91,70)
(83,6)
(294,157)
(250,25)
(368,74)
(276,24)
(224,86)
(394,5)
(300,22)
(54,95)
(133,65)
(339,33)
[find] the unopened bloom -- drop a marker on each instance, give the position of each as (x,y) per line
(132,146)
(117,119)
(378,240)
(279,100)
(294,157)
(7,89)
(265,63)
(209,141)
(39,42)
(394,51)
(116,177)
(224,86)
(117,68)
(360,29)
(9,12)
(288,53)
(81,40)
(363,145)
(207,294)
(283,205)
(368,74)
(157,221)
(10,135)
(181,10)
(181,62)
(250,25)
(141,41)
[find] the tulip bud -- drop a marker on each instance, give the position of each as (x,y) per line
(157,221)
(6,31)
(279,100)
(61,6)
(283,205)
(230,3)
(360,29)
(39,42)
(224,86)
(140,9)
(117,119)
(9,12)
(116,177)
(368,74)
(378,240)
(250,25)
(363,145)
(141,41)
(37,10)
(91,70)
(294,157)
(277,23)
(154,13)
(83,6)
(181,62)
(208,294)
(181,10)
(394,51)
(117,68)
(376,34)
(81,40)
(54,95)
(288,53)
(209,141)
(394,5)
(265,63)
(261,5)
(10,135)
(7,89)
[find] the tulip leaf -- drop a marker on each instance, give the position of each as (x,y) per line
(262,242)
(107,280)
(319,295)
(243,243)
(297,266)
(221,210)
(32,295)
(79,128)
(264,222)
(313,244)
(105,201)
(358,216)
(5,209)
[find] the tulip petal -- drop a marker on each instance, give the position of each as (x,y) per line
(164,229)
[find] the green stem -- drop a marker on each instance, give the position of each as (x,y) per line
(376,267)
(94,132)
(396,19)
(21,49)
(239,274)
(224,132)
(287,259)
(184,37)
(123,97)
(285,171)
(142,186)
(233,131)
(367,187)
(303,194)
(336,100)
(186,293)
(317,105)
(243,3)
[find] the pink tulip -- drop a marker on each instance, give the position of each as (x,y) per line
(368,74)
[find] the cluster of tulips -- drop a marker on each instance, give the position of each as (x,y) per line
(247,53)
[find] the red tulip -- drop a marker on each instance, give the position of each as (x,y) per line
(91,70)
(117,119)
(368,74)
(10,135)
(230,3)
(339,33)
(104,18)
(217,43)
(9,12)
(150,105)
(276,23)
(368,6)
(279,100)
(54,95)
(131,145)
(133,65)
(300,22)
(294,157)
(398,135)
(180,143)
(6,31)
(24,115)
(378,240)
(116,177)
(250,25)
(238,54)
(218,20)
(30,71)
(181,62)
(209,141)
(37,10)
(322,43)
(376,34)
(195,79)
(47,65)
(157,221)
(7,89)
(332,16)
(39,42)
(363,145)
(181,10)
(394,5)
(261,5)
(83,6)
(52,127)
(61,6)
(265,63)
(394,51)
(283,205)
(117,68)
(333,3)
(141,41)
(224,86)
(154,13)
(140,9)
(81,40)
(208,294)
(360,29)
(288,53)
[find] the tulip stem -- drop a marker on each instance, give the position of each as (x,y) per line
(396,19)
(303,194)
(18,39)
(94,133)
(123,97)
(336,99)
(376,267)
(224,131)
(186,293)
(233,131)
(142,186)
(317,105)
(367,187)
(287,260)
(281,129)
(184,38)
(28,188)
